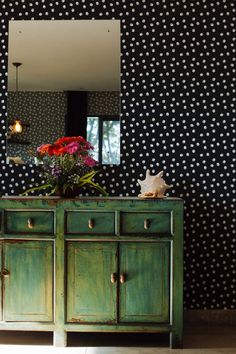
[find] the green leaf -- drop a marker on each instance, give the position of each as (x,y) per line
(99,188)
(89,175)
(52,192)
(38,188)
(87,179)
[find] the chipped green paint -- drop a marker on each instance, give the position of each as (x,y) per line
(145,223)
(145,295)
(92,238)
(1,268)
(90,222)
(91,294)
(28,222)
(28,294)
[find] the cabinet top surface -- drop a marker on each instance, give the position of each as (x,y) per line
(89,198)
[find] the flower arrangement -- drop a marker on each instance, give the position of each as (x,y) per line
(67,165)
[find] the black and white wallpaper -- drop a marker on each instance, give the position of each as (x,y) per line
(178,114)
(103,103)
(44,112)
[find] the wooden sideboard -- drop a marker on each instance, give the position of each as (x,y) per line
(92,265)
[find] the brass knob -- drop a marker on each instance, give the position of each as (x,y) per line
(113,277)
(30,223)
(91,223)
(146,224)
(5,273)
(122,278)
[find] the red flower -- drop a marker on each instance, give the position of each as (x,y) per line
(43,149)
(86,146)
(66,144)
(69,139)
(56,150)
(89,161)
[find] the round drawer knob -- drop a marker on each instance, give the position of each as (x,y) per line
(30,223)
(146,224)
(113,277)
(122,278)
(91,223)
(5,273)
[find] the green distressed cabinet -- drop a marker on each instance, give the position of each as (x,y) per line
(92,265)
(145,292)
(28,285)
(90,293)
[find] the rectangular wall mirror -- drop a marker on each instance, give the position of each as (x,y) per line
(63,80)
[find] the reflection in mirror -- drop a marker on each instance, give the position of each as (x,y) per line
(102,132)
(68,83)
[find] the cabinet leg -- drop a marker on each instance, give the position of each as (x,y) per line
(176,341)
(60,338)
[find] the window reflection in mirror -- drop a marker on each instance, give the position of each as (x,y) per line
(102,132)
(68,84)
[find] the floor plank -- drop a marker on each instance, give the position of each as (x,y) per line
(197,340)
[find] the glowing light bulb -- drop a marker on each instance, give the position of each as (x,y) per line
(17,127)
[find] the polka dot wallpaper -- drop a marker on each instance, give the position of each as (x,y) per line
(177,114)
(44,112)
(107,103)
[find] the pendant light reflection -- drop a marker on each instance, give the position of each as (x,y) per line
(16,127)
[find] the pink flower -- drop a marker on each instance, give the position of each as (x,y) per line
(89,161)
(71,148)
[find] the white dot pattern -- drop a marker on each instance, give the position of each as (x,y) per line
(178,114)
(45,114)
(103,103)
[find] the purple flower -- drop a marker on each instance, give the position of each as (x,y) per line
(56,171)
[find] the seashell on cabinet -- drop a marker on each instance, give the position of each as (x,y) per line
(153,186)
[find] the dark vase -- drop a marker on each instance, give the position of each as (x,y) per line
(69,193)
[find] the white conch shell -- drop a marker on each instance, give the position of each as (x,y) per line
(153,186)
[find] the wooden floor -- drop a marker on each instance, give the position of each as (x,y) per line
(197,340)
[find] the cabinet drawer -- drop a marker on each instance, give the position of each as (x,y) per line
(90,222)
(29,222)
(137,223)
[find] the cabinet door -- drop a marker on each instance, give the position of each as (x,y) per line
(0,281)
(28,287)
(91,296)
(144,295)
